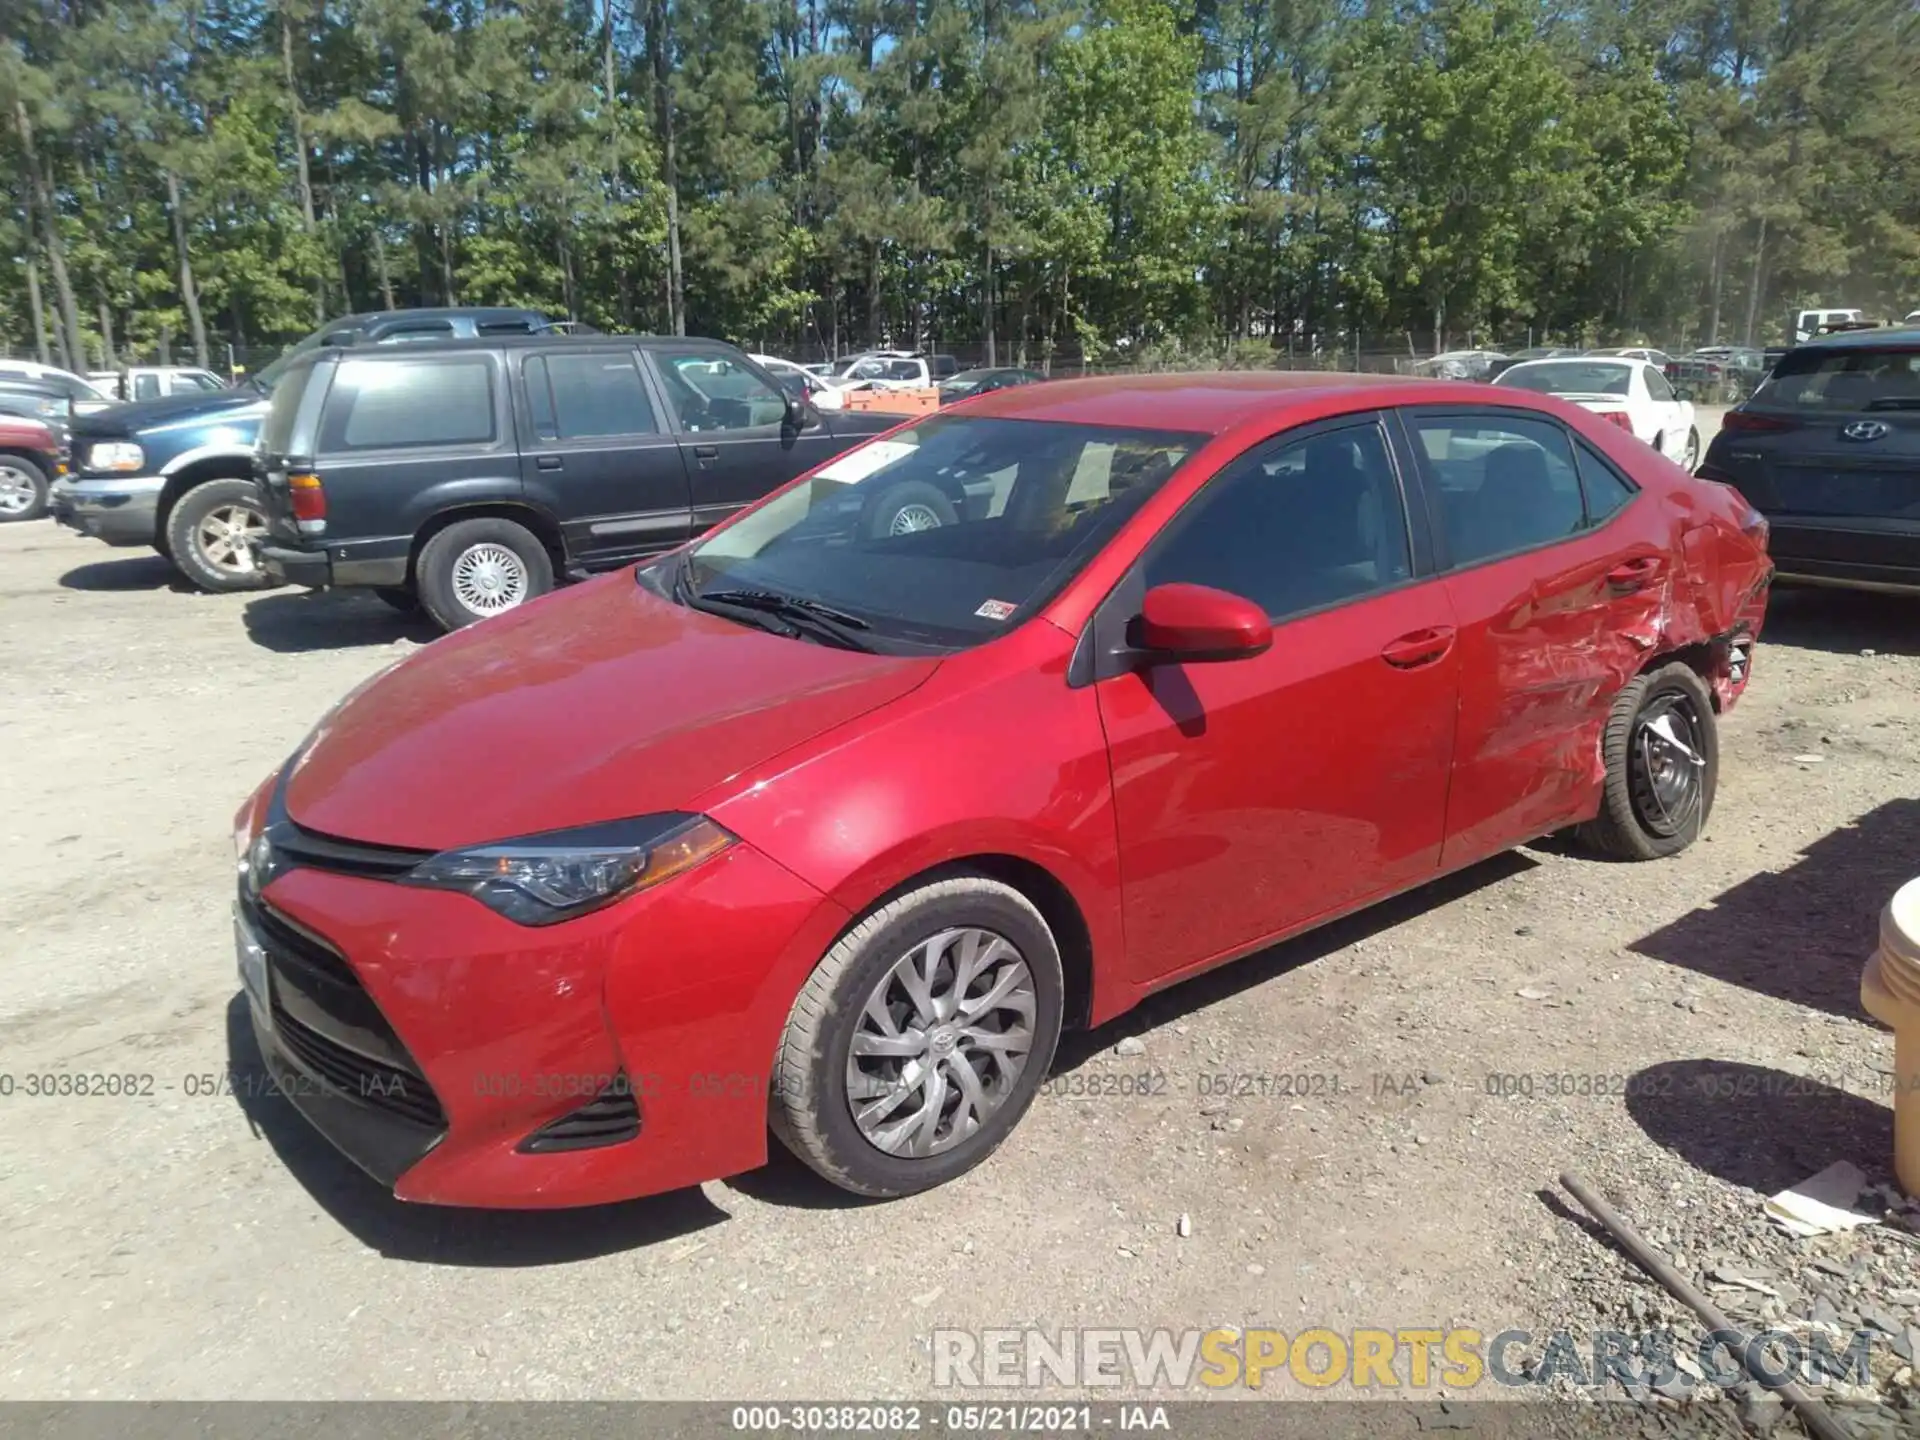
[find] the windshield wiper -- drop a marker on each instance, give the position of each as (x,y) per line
(823,621)
(1895,402)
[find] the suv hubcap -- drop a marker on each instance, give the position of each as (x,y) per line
(488,578)
(910,518)
(1666,765)
(941,1042)
(229,536)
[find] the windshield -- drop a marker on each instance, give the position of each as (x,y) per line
(949,532)
(1846,380)
(1568,378)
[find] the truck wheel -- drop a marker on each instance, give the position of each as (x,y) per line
(214,533)
(23,489)
(476,568)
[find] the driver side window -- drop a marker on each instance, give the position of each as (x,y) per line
(712,393)
(1295,526)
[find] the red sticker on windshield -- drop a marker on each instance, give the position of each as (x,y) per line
(995,610)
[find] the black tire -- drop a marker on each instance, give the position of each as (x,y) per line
(810,1111)
(24,476)
(1630,825)
(434,579)
(186,547)
(1692,456)
(919,505)
(401,598)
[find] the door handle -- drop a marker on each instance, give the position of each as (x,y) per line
(1633,574)
(706,453)
(1418,647)
(548,462)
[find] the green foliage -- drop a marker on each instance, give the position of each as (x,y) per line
(1070,181)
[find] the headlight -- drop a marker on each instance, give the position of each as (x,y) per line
(547,878)
(115,455)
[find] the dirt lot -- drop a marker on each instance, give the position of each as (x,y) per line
(186,1245)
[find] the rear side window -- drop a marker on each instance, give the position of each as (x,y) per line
(276,431)
(384,405)
(1846,380)
(578,397)
(1506,483)
(1606,489)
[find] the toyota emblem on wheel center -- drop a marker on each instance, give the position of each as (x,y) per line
(1864,430)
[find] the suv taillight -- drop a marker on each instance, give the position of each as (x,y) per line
(309,501)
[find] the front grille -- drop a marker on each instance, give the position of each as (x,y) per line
(357,1075)
(609,1118)
(296,845)
(289,942)
(327,1021)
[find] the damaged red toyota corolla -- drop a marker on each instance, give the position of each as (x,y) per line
(827,824)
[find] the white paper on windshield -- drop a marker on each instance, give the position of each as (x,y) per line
(857,465)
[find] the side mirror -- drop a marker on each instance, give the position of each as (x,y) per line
(799,412)
(1194,623)
(1683,392)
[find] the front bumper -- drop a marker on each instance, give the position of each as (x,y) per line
(677,994)
(120,512)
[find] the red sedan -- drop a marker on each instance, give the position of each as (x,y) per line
(829,822)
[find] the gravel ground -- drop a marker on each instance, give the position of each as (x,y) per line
(1387,1166)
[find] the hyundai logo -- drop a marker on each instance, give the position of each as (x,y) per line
(1864,430)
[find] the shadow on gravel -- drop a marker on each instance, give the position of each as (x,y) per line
(1842,622)
(1751,1125)
(144,571)
(1078,1046)
(292,622)
(1804,933)
(434,1234)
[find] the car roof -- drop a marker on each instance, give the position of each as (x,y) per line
(480,344)
(1900,335)
(1211,402)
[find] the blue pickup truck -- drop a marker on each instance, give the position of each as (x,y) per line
(176,473)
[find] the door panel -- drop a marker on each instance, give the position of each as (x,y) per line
(732,426)
(1558,597)
(597,456)
(1256,795)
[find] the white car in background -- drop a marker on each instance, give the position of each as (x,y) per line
(1629,392)
(1659,359)
(794,376)
(85,395)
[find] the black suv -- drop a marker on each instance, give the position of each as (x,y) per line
(465,476)
(1828,449)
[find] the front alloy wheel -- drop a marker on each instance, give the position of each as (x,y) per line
(941,1042)
(1661,748)
(920,1039)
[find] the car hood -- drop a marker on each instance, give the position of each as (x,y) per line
(138,415)
(597,703)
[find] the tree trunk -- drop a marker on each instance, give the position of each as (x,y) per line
(41,351)
(189,295)
(616,190)
(660,42)
(108,360)
(380,264)
(1718,283)
(986,286)
(298,120)
(69,331)
(1753,291)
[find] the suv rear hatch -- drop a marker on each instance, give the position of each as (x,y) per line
(287,443)
(1830,445)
